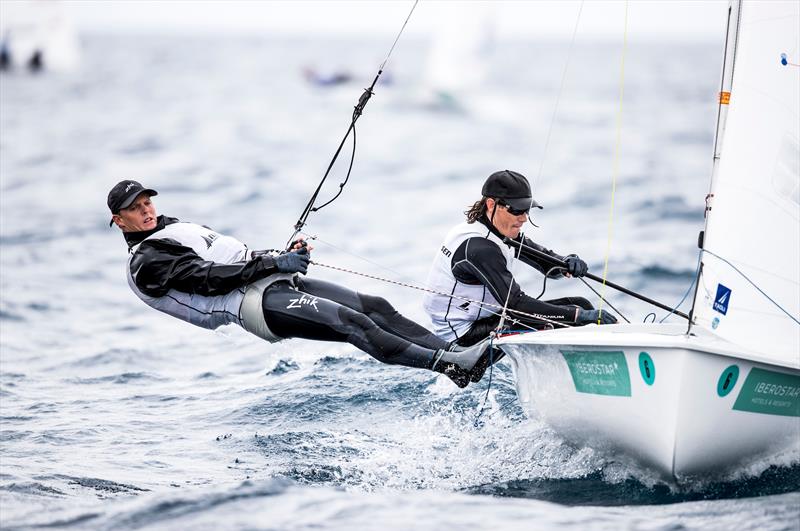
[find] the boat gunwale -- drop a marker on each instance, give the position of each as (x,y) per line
(667,335)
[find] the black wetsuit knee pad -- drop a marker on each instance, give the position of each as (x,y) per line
(373,304)
(355,319)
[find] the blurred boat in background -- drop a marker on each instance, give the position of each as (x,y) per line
(37,35)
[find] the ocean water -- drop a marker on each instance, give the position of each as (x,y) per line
(113,416)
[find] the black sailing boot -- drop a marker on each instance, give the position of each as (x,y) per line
(459,376)
(466,365)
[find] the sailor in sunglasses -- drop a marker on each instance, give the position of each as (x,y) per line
(210,279)
(473,265)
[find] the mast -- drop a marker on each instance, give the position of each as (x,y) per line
(728,64)
(748,289)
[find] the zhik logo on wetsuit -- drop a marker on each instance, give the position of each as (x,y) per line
(303,301)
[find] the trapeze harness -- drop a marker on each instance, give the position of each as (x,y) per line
(241,306)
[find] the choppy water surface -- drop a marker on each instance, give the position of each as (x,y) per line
(116,417)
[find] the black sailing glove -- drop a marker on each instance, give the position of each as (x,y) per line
(591,316)
(301,241)
(575,266)
(293,262)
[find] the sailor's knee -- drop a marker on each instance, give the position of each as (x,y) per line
(356,319)
(373,304)
(583,303)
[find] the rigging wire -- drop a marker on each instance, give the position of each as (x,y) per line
(558,97)
(388,55)
(400,275)
(504,313)
(546,276)
(316,237)
(346,178)
(510,284)
(357,112)
(694,279)
(488,387)
(602,298)
(770,299)
(557,268)
(615,169)
(428,290)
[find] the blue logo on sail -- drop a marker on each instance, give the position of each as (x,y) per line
(722,299)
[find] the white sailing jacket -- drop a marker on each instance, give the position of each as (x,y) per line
(201,310)
(202,277)
(452,316)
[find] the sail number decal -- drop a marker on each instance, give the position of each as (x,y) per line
(599,372)
(773,393)
(647,368)
(727,380)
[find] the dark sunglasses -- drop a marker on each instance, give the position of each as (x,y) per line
(511,210)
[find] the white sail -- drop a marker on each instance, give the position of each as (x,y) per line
(39,27)
(749,288)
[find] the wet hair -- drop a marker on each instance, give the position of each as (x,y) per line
(476,210)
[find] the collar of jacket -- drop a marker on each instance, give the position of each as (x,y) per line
(488,224)
(135,238)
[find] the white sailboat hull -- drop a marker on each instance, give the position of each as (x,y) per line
(683,405)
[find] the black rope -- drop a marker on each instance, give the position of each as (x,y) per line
(556,268)
(604,300)
(359,109)
(488,387)
(546,275)
(539,255)
(357,112)
(346,178)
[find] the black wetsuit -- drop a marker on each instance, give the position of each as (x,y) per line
(303,308)
(315,309)
(481,261)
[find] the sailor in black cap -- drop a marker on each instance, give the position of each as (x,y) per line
(210,279)
(474,264)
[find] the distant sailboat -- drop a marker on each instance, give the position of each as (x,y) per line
(37,35)
(723,391)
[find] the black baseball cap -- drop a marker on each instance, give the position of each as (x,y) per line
(512,187)
(124,193)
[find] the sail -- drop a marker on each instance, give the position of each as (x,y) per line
(38,29)
(749,287)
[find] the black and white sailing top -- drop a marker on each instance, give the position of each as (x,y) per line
(474,264)
(194,273)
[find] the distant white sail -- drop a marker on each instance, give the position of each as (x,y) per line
(460,46)
(749,288)
(39,27)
